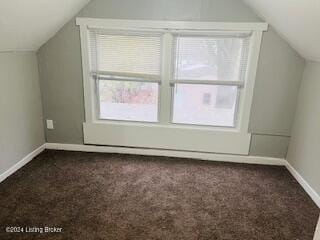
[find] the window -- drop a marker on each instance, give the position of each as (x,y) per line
(169,84)
(126,67)
(192,107)
(205,68)
(206,99)
(207,72)
(128,100)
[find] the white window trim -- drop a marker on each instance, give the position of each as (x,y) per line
(167,135)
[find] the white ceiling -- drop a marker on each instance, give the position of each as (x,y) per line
(27,24)
(298,21)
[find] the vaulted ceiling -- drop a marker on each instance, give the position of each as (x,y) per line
(27,24)
(298,21)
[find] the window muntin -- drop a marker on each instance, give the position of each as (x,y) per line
(208,74)
(127,70)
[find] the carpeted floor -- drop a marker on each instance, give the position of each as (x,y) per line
(113,196)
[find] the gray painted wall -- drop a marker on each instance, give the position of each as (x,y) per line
(317,233)
(274,102)
(279,73)
(21,124)
(304,149)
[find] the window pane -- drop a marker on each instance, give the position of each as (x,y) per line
(127,100)
(204,104)
(210,58)
(128,54)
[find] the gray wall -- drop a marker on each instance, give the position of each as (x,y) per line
(21,124)
(277,85)
(317,233)
(304,149)
(279,73)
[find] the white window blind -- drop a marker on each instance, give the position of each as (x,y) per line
(129,54)
(127,69)
(211,58)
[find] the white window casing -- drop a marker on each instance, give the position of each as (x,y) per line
(163,133)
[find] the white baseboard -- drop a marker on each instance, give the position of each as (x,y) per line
(169,153)
(312,193)
(22,162)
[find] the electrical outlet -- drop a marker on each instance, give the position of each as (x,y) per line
(50,124)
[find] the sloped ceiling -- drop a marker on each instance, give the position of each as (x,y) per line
(27,24)
(298,21)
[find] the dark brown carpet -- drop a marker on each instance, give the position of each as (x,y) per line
(113,196)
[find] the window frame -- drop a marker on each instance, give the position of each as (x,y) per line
(165,105)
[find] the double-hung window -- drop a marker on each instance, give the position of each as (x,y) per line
(169,85)
(208,72)
(126,67)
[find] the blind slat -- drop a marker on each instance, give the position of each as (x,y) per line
(210,57)
(130,54)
